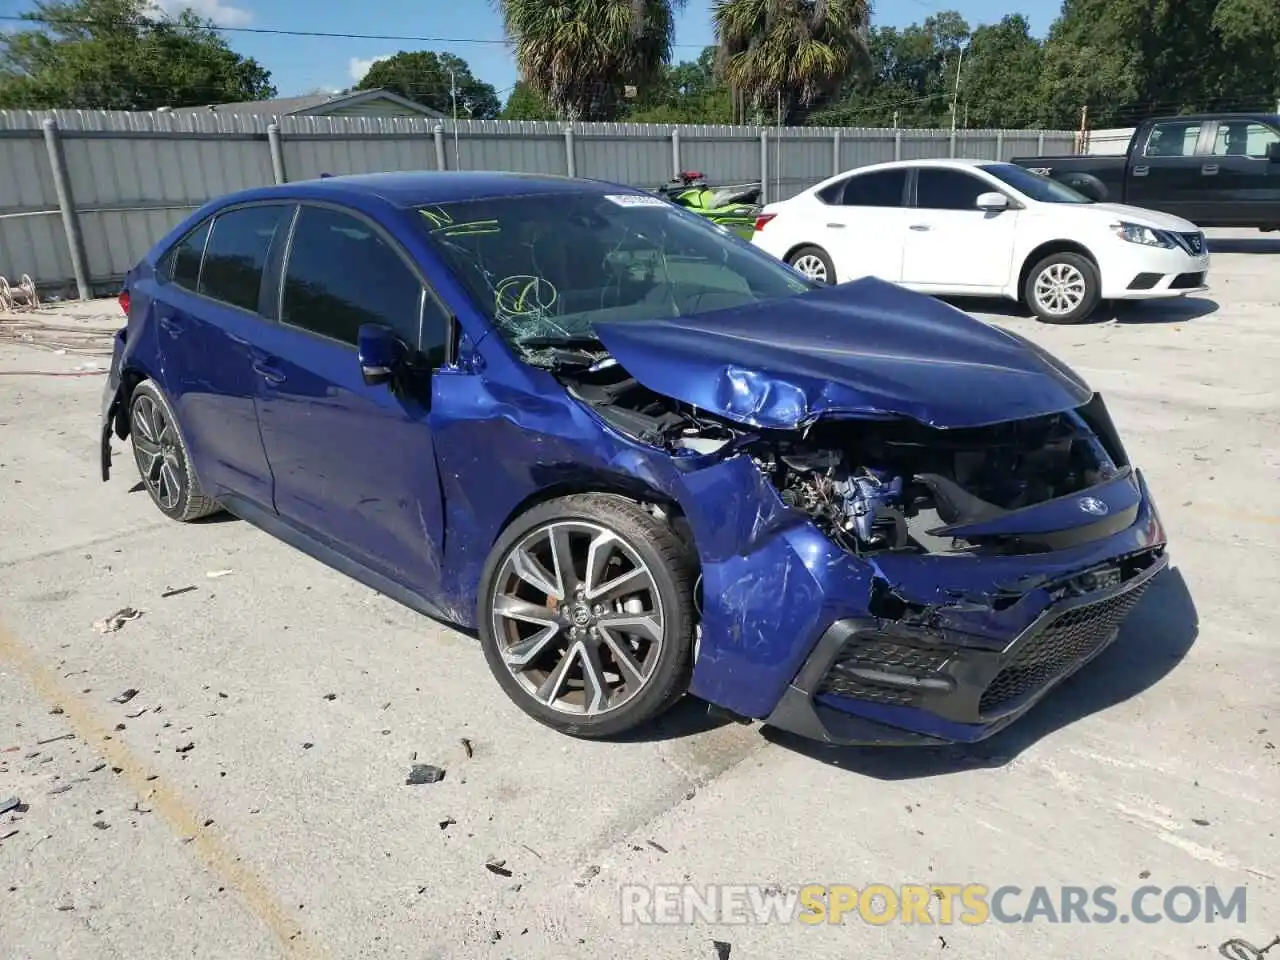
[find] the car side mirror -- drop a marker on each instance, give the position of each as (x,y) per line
(1273,151)
(381,353)
(993,202)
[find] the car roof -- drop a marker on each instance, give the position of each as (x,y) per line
(959,163)
(416,188)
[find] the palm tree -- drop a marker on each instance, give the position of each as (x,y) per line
(578,54)
(789,53)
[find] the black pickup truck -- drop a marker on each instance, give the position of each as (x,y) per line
(1216,170)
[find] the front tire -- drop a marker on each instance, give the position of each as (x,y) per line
(814,263)
(161,455)
(1063,288)
(586,614)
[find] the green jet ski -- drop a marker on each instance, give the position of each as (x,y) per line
(735,208)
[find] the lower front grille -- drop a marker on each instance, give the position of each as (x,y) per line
(1058,645)
(882,655)
(1187,281)
(1144,281)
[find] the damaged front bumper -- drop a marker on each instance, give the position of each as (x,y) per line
(111,404)
(911,649)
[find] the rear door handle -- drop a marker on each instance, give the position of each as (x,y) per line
(1209,169)
(268,372)
(921,227)
(1141,171)
(836,226)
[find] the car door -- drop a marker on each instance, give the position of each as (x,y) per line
(863,224)
(951,245)
(1165,171)
(353,464)
(207,321)
(1240,183)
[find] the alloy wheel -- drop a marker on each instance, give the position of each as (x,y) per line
(1060,289)
(812,267)
(155,447)
(578,617)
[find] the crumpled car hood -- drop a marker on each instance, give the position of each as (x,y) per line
(861,349)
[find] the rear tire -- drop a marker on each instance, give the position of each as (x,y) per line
(814,263)
(161,455)
(1063,288)
(586,614)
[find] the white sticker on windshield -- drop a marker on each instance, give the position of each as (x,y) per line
(635,200)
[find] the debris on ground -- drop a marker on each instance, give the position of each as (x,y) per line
(421,773)
(61,788)
(13,803)
(101,825)
(216,574)
(177,592)
(588,874)
(657,846)
(65,736)
(1200,822)
(186,748)
(467,748)
(126,696)
(722,949)
(117,620)
(331,696)
(497,866)
(57,711)
(447,822)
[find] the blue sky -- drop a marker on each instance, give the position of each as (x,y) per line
(302,64)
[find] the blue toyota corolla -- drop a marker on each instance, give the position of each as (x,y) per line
(640,457)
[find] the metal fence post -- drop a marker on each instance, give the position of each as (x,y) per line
(67,206)
(570,154)
(437,133)
(835,155)
(764,166)
(277,152)
(999,146)
(897,144)
(676,163)
(1040,145)
(953,143)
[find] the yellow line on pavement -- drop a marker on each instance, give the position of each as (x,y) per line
(206,844)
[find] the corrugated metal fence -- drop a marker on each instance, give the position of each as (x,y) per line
(83,194)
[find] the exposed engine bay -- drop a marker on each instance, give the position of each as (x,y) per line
(873,485)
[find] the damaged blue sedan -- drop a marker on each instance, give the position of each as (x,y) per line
(639,457)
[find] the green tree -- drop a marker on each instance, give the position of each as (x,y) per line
(1000,77)
(687,92)
(122,55)
(789,54)
(525,104)
(579,54)
(423,76)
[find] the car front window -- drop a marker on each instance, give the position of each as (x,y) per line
(546,268)
(1034,185)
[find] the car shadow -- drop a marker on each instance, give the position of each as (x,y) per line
(1152,642)
(1250,245)
(1174,310)
(222,516)
(688,717)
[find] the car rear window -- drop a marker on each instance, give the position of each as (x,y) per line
(236,254)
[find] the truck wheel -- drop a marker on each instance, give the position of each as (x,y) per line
(1063,288)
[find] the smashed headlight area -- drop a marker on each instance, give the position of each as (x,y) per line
(883,485)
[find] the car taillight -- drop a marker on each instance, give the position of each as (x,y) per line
(763,219)
(123,300)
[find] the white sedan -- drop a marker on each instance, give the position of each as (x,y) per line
(986,229)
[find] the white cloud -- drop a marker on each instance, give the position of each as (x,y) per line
(223,14)
(358,67)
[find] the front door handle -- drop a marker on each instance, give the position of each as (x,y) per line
(921,227)
(1209,169)
(1141,171)
(268,373)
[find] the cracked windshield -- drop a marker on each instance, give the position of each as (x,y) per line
(545,269)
